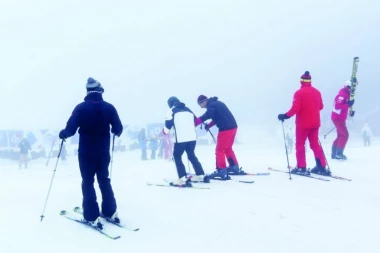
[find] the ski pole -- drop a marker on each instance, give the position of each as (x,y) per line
(51,150)
(210,133)
(51,182)
(286,149)
(327,163)
(328,132)
(188,166)
(113,148)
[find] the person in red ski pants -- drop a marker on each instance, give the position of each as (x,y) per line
(222,117)
(339,115)
(307,104)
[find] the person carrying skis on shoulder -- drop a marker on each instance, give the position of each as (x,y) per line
(339,115)
(94,117)
(307,104)
(222,117)
(181,119)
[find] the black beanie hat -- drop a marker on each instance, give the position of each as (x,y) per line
(172,100)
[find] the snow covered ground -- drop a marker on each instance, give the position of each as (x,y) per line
(272,215)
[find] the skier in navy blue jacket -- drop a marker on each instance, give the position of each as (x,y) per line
(94,117)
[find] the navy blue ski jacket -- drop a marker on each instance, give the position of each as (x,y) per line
(220,114)
(94,117)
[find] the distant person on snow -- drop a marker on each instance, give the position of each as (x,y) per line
(182,119)
(143,144)
(339,115)
(307,104)
(94,117)
(367,135)
(222,117)
(24,152)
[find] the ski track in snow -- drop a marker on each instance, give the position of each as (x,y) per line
(272,215)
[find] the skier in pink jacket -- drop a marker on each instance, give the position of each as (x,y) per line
(339,116)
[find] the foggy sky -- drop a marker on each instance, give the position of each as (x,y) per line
(248,53)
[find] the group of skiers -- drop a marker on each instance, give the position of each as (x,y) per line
(162,143)
(184,121)
(94,117)
(307,104)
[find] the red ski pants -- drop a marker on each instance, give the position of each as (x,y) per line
(342,134)
(223,149)
(312,134)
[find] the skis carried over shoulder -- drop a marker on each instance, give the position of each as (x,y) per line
(308,176)
(354,83)
(102,231)
(79,210)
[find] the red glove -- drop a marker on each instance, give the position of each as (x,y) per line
(198,121)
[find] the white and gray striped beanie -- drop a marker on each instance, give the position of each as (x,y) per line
(93,86)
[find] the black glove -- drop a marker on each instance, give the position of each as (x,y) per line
(207,127)
(62,135)
(283,117)
(351,102)
(352,113)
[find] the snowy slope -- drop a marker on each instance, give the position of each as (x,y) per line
(272,215)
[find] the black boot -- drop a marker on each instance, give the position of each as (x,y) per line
(234,169)
(221,174)
(319,169)
(301,171)
(333,152)
(339,154)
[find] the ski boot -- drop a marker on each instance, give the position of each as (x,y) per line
(181,182)
(200,178)
(235,170)
(300,171)
(114,218)
(221,174)
(339,154)
(340,157)
(333,152)
(319,169)
(96,223)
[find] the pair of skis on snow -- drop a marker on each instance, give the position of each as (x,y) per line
(168,182)
(102,231)
(312,175)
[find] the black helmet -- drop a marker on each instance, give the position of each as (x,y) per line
(172,100)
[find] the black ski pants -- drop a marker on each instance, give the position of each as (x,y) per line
(189,148)
(91,164)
